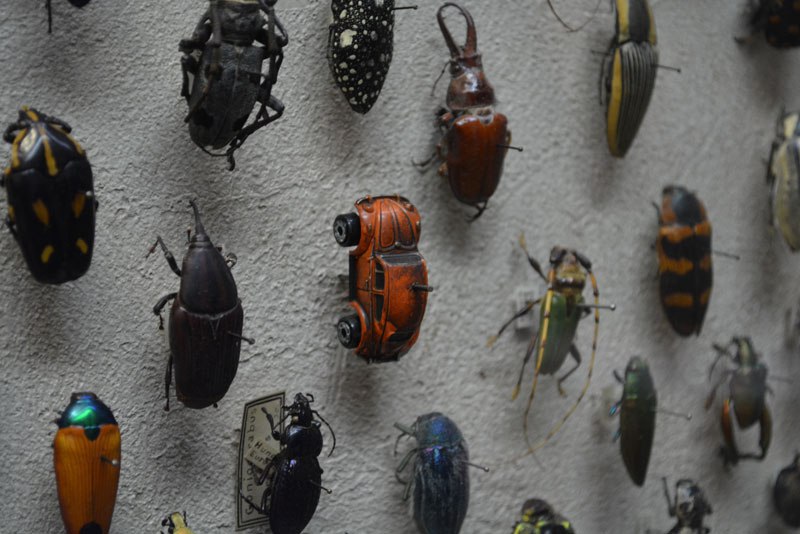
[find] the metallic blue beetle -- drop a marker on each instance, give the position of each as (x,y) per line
(441,480)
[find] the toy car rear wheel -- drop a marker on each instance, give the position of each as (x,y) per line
(347,229)
(349,331)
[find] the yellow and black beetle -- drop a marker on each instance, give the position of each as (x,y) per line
(629,73)
(86,456)
(684,259)
(783,177)
(51,204)
(176,524)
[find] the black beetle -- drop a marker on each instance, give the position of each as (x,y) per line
(295,477)
(778,19)
(205,325)
(51,204)
(360,45)
(787,493)
(226,70)
(76,3)
(690,507)
(441,479)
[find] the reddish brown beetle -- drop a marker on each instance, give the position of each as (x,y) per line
(388,278)
(475,137)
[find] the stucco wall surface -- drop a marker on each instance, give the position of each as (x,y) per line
(112,71)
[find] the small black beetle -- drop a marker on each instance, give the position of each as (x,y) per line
(76,3)
(226,67)
(205,325)
(787,493)
(51,204)
(295,477)
(441,479)
(690,507)
(778,19)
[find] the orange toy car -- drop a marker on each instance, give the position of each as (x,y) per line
(388,278)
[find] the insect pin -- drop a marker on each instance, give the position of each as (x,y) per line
(225,64)
(86,457)
(746,398)
(50,193)
(388,278)
(562,308)
(205,321)
(293,477)
(440,477)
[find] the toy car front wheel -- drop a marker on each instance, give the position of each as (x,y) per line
(349,331)
(347,229)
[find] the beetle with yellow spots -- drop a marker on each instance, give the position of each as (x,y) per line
(86,456)
(629,73)
(50,192)
(778,19)
(684,259)
(176,524)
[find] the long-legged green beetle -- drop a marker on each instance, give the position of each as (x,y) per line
(562,308)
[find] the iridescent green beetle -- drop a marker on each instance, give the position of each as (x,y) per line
(637,418)
(629,73)
(783,177)
(562,308)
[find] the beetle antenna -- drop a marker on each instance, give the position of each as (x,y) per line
(433,89)
(315,412)
(567,26)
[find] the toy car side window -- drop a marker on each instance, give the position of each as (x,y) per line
(379,277)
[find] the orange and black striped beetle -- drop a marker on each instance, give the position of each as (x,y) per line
(684,259)
(778,19)
(76,3)
(475,137)
(51,204)
(86,458)
(205,322)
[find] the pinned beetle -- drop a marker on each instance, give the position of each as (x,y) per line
(685,270)
(51,204)
(786,493)
(748,388)
(440,477)
(778,19)
(86,456)
(205,325)
(76,3)
(388,278)
(637,410)
(538,517)
(360,45)
(562,308)
(226,69)
(783,177)
(293,476)
(690,507)
(176,524)
(629,73)
(475,136)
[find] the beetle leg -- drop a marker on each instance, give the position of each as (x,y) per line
(403,464)
(11,131)
(670,507)
(480,208)
(722,380)
(168,380)
(730,454)
(167,254)
(521,313)
(766,432)
(576,355)
(188,65)
(422,166)
(262,119)
(528,354)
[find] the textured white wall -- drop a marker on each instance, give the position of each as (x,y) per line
(112,71)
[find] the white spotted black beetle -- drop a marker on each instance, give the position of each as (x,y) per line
(51,204)
(360,45)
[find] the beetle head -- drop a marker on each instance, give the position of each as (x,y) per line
(534,508)
(745,353)
(788,125)
(469,87)
(690,502)
(569,268)
(200,235)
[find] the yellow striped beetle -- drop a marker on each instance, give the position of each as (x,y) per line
(51,204)
(176,524)
(629,73)
(783,177)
